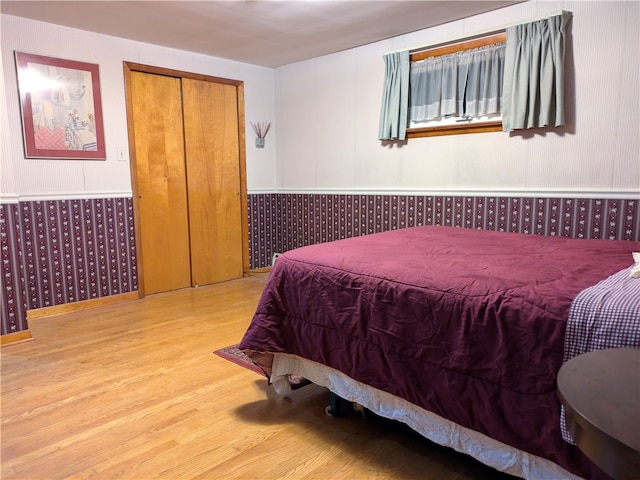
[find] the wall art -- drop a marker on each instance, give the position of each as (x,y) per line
(61,108)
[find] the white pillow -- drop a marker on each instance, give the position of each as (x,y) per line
(635,270)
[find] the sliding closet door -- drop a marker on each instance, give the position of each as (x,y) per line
(213,180)
(156,107)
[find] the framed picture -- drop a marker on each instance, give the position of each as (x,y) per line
(61,108)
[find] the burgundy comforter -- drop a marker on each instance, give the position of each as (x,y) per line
(469,324)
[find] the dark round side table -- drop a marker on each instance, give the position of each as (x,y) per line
(601,394)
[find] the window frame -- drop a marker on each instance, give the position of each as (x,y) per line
(457,129)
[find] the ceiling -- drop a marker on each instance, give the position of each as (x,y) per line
(270,33)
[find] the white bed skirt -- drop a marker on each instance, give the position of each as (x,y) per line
(439,430)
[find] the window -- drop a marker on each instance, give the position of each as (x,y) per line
(532,85)
(457,88)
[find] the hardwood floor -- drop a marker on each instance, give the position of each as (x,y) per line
(134,391)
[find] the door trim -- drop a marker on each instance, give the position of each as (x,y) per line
(130,67)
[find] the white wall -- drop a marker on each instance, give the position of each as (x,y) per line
(325,116)
(327,112)
(51,179)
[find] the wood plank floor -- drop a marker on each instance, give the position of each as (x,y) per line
(134,391)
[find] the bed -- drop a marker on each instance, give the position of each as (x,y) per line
(458,333)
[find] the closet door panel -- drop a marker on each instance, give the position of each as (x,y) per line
(213,177)
(161,185)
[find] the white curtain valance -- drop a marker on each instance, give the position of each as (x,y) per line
(468,82)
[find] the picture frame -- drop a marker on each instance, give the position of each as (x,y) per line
(61,108)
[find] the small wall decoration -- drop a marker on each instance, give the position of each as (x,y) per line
(61,108)
(261,129)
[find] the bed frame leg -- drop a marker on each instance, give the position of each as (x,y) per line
(335,404)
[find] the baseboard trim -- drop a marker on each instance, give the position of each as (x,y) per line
(15,337)
(257,271)
(80,305)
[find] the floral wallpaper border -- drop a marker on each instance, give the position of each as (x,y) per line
(61,251)
(285,221)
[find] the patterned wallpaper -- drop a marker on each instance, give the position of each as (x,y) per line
(287,221)
(61,251)
(12,307)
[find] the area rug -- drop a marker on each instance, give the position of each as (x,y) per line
(237,356)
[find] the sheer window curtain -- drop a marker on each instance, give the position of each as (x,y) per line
(534,74)
(463,83)
(395,97)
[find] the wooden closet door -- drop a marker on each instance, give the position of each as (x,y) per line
(213,180)
(161,186)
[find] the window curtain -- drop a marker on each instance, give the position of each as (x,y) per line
(395,97)
(534,74)
(468,82)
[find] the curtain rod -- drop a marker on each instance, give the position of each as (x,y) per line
(481,34)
